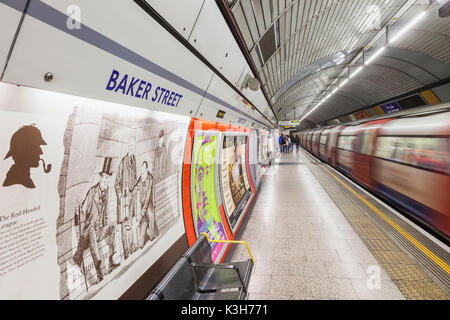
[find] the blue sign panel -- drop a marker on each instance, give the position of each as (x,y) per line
(391,107)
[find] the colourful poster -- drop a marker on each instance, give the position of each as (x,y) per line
(206,213)
(235,185)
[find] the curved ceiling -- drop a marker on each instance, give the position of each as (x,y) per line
(303,49)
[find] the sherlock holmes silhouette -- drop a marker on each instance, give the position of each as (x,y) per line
(25,150)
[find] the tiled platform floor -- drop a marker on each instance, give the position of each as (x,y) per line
(303,246)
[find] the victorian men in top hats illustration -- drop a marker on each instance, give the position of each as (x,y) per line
(25,150)
(95,224)
(126,179)
(148,228)
(161,158)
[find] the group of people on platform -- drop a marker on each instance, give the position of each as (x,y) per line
(287,143)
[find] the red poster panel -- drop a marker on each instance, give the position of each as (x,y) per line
(197,126)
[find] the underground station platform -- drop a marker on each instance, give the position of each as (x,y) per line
(315,234)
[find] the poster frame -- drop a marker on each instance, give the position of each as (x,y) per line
(218,135)
(235,227)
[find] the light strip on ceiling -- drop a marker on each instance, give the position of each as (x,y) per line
(408,27)
(402,32)
(375,55)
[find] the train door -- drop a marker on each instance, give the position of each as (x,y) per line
(332,145)
(309,141)
(315,143)
(363,161)
(323,140)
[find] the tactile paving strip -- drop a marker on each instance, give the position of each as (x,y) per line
(415,275)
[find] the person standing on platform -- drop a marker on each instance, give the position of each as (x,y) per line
(289,144)
(292,137)
(280,142)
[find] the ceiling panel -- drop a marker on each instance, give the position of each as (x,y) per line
(319,38)
(239,16)
(267,13)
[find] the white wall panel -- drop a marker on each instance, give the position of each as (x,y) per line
(233,64)
(181,17)
(214,40)
(10,19)
(82,60)
(208,108)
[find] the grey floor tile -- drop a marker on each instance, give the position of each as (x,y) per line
(260,283)
(289,254)
(356,244)
(322,256)
(265,296)
(329,288)
(290,286)
(272,267)
(309,269)
(345,270)
(356,256)
(332,244)
(371,268)
(386,290)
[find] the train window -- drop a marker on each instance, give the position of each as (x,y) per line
(346,142)
(323,139)
(425,152)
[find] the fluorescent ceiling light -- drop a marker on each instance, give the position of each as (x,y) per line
(375,55)
(408,27)
(371,59)
(356,72)
(343,83)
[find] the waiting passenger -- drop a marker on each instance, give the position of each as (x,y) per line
(289,144)
(280,142)
(285,144)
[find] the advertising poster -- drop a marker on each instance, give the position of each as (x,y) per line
(236,189)
(264,153)
(254,155)
(90,194)
(205,211)
(273,145)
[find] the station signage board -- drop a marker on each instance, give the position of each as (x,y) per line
(391,107)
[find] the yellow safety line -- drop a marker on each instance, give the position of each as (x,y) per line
(231,241)
(416,243)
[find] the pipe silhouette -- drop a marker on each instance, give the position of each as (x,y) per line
(47,168)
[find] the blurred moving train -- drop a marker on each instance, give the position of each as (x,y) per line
(403,157)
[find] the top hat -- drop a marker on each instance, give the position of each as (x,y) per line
(24,138)
(107,166)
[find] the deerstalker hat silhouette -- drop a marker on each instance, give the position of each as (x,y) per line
(25,137)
